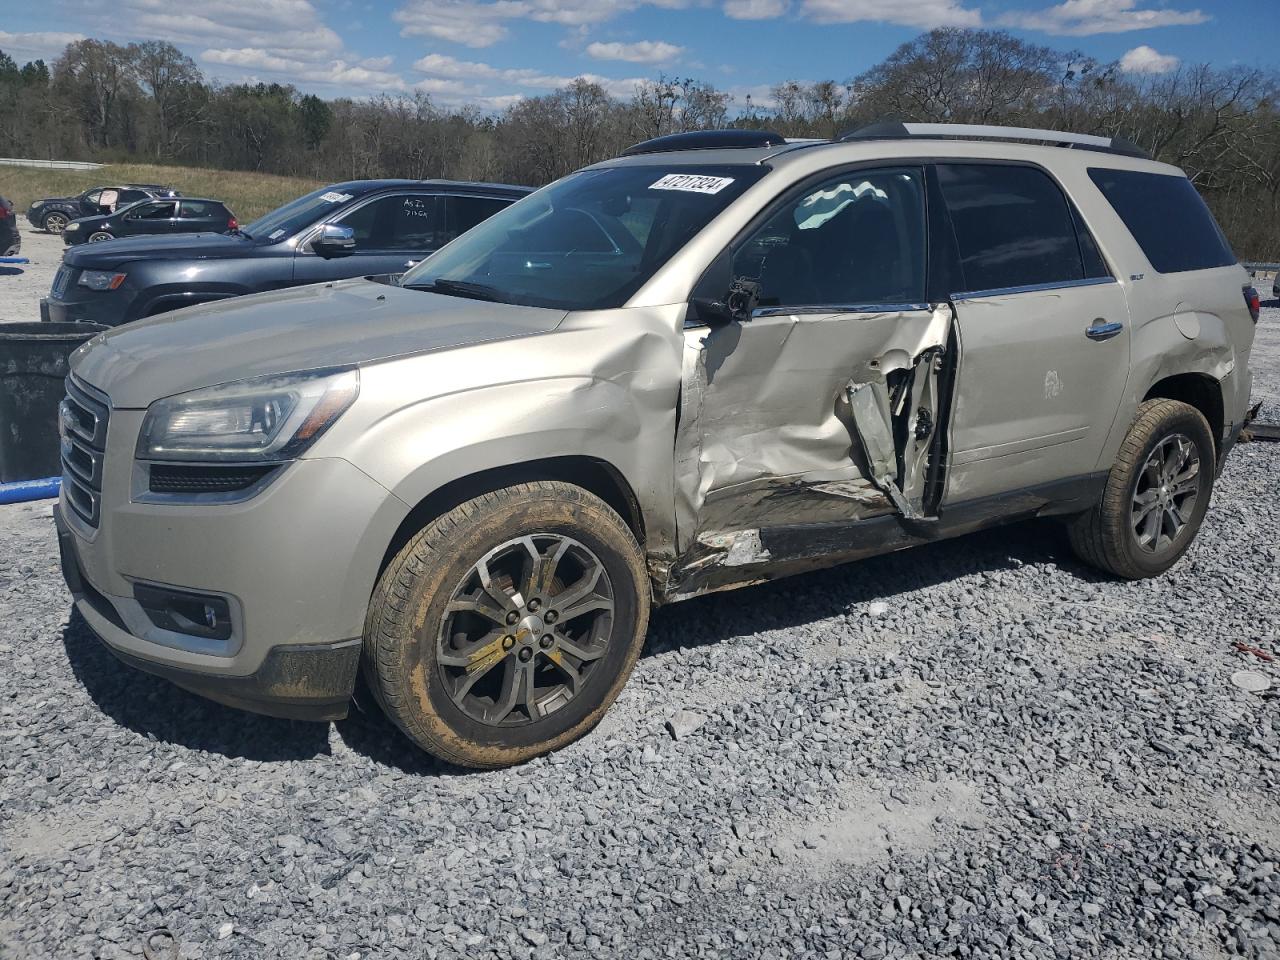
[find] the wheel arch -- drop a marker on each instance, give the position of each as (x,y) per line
(592,474)
(1198,390)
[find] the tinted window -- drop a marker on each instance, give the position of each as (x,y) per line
(575,245)
(1013,226)
(163,210)
(1167,217)
(398,222)
(200,208)
(855,239)
(463,213)
(131,196)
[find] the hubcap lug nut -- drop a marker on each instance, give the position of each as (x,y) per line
(546,641)
(526,654)
(508,642)
(551,617)
(534,604)
(512,617)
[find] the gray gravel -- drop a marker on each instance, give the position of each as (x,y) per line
(21,287)
(977,749)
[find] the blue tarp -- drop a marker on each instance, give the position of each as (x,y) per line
(24,490)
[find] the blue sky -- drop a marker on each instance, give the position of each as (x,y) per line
(487,53)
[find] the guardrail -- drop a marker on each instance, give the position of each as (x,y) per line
(1257,268)
(50,164)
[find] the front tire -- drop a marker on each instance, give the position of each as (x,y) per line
(99,236)
(55,222)
(506,627)
(1156,494)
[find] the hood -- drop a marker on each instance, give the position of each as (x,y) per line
(303,328)
(185,246)
(89,223)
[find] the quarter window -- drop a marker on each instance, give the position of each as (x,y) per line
(1167,217)
(199,208)
(856,239)
(463,213)
(1013,226)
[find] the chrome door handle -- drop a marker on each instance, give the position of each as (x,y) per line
(1101,330)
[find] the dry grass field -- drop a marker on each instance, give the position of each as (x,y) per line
(249,195)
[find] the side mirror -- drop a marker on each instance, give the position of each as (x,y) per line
(334,240)
(738,304)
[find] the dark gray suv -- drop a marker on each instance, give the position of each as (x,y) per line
(356,229)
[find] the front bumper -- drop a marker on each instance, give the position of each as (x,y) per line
(296,563)
(107,309)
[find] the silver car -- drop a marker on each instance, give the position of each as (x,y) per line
(719,359)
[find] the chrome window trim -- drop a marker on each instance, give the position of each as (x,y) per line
(835,308)
(1032,288)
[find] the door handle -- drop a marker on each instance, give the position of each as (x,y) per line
(1101,330)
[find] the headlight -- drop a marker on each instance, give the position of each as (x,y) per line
(267,419)
(71,226)
(100,279)
(36,204)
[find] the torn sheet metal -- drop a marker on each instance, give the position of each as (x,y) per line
(771,432)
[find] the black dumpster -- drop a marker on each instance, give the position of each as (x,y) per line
(33,366)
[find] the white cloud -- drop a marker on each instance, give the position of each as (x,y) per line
(1146,59)
(924,14)
(436,65)
(36,46)
(642,51)
(755,9)
(474,23)
(1083,18)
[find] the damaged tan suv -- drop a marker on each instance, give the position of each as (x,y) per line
(718,359)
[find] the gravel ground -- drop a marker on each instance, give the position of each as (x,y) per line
(977,748)
(21,287)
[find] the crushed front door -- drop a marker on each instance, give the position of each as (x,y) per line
(806,418)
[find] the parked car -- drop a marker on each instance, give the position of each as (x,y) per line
(719,359)
(351,229)
(153,217)
(10,238)
(54,213)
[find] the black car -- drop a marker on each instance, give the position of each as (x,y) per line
(355,229)
(174,215)
(10,239)
(54,213)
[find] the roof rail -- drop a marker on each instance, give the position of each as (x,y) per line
(706,140)
(895,130)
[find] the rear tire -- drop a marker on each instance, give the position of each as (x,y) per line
(1156,494)
(456,649)
(55,222)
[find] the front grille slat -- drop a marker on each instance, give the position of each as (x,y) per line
(83,421)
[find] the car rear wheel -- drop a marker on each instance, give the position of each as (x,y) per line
(507,626)
(1156,494)
(55,222)
(99,235)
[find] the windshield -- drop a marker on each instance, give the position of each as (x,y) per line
(293,216)
(587,242)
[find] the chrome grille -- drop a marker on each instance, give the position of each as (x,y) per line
(60,282)
(82,426)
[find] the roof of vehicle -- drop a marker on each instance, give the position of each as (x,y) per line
(366,186)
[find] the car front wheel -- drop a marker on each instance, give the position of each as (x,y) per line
(506,627)
(1156,494)
(100,235)
(55,222)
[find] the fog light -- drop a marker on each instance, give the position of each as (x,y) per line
(183,611)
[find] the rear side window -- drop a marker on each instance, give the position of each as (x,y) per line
(200,208)
(1013,226)
(463,213)
(1167,217)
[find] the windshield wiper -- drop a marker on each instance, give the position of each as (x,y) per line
(458,288)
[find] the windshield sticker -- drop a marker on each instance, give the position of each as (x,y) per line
(692,183)
(276,234)
(334,197)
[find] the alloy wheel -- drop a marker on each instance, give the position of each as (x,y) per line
(100,236)
(55,223)
(525,628)
(1164,498)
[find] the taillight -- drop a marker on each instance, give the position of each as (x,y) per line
(4,212)
(1254,302)
(232,225)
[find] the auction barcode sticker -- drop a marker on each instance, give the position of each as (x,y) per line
(692,183)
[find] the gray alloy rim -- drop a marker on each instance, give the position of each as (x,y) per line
(55,223)
(99,237)
(524,629)
(1164,498)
